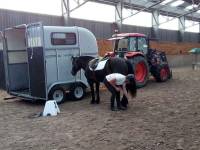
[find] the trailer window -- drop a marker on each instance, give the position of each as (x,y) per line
(63,39)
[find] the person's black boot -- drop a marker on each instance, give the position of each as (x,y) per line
(113,109)
(124,102)
(122,108)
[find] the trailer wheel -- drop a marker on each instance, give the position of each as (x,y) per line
(77,91)
(57,94)
(141,70)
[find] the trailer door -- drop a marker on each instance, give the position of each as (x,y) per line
(36,61)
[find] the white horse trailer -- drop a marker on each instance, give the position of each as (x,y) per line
(38,60)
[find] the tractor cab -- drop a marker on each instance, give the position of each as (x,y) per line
(130,42)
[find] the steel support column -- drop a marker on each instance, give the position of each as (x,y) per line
(181,31)
(119,15)
(66,12)
(199,32)
(155,24)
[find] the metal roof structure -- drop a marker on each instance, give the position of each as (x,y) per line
(164,7)
(181,9)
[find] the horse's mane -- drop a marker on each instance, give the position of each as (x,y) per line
(84,60)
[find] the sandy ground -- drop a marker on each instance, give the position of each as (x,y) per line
(164,116)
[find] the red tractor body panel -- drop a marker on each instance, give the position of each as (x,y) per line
(129,35)
(132,54)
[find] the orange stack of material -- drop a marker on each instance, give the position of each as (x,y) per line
(170,48)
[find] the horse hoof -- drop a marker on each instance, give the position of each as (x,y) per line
(124,105)
(113,109)
(97,102)
(122,108)
(92,102)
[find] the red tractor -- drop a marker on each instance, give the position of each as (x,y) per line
(135,48)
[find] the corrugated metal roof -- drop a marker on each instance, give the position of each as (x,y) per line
(167,9)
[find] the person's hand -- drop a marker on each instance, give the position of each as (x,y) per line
(118,89)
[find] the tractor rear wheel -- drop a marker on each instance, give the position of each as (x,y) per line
(141,70)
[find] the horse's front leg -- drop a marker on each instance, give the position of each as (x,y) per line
(97,92)
(92,92)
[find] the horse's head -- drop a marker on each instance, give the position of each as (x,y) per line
(76,66)
(79,63)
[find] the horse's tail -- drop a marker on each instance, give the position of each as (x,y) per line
(131,86)
(130,67)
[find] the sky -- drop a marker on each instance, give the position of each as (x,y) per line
(92,11)
(52,7)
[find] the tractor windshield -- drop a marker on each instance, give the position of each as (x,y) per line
(123,45)
(132,44)
(142,45)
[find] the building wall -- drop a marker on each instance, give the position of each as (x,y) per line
(181,60)
(167,39)
(174,48)
(101,30)
(10,18)
(104,30)
(177,53)
(170,48)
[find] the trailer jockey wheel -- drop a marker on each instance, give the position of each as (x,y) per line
(141,70)
(57,94)
(77,91)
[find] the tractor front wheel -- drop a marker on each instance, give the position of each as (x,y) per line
(162,73)
(141,70)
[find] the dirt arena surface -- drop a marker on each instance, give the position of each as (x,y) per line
(164,116)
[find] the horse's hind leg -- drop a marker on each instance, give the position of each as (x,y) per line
(92,92)
(97,92)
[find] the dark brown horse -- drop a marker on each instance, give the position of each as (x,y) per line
(113,65)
